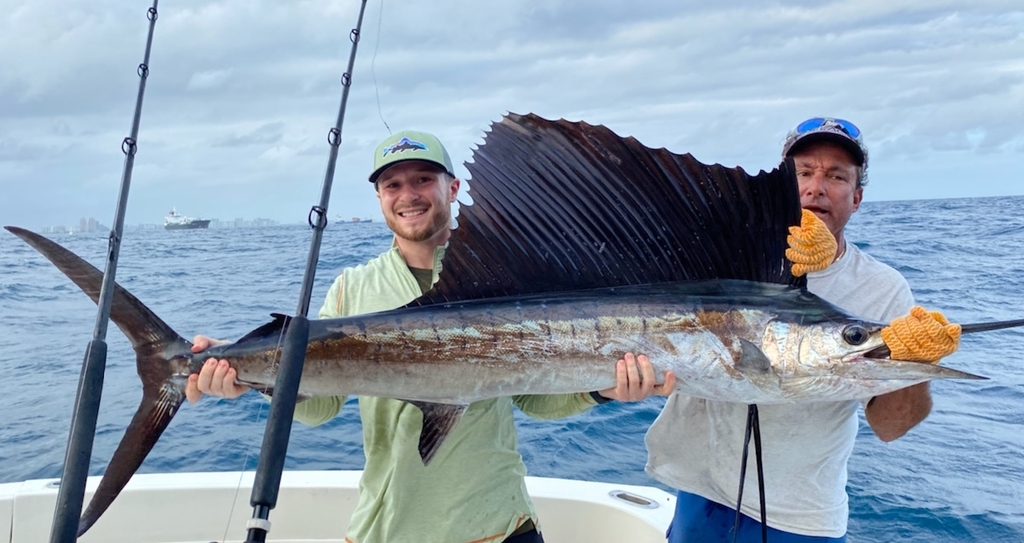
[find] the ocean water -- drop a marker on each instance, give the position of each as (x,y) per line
(959,476)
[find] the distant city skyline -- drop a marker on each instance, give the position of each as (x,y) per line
(92,225)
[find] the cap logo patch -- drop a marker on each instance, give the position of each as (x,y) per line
(404,144)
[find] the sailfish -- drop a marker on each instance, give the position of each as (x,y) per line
(579,245)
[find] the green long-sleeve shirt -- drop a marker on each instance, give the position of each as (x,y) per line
(473,490)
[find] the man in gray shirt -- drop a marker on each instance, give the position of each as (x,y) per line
(695,445)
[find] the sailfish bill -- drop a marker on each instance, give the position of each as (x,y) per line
(579,246)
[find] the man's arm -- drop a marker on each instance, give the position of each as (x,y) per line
(892,415)
(920,336)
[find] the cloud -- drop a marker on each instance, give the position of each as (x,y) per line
(209,80)
(265,134)
(242,93)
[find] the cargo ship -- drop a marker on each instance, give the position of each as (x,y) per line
(175,221)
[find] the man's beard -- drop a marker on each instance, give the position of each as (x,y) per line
(440,221)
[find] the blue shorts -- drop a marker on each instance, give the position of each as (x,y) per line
(700,520)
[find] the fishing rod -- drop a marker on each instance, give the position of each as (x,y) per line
(90,382)
(293,355)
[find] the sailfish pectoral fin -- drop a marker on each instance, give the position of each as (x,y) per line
(158,406)
(752,359)
(438,421)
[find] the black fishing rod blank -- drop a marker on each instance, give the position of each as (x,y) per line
(90,383)
(293,355)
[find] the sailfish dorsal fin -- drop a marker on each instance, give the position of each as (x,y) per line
(559,205)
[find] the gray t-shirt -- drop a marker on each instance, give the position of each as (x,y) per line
(695,445)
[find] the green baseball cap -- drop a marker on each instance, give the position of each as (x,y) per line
(410,145)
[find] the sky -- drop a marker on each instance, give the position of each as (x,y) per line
(242,93)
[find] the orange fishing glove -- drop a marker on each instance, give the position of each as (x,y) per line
(921,336)
(811,246)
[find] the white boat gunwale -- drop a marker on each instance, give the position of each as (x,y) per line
(313,506)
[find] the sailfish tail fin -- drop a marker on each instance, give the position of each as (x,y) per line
(162,358)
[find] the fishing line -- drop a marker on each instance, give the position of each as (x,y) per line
(248,451)
(380,17)
(241,474)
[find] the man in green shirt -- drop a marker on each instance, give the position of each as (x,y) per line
(473,490)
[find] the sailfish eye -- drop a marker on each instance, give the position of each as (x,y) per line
(855,334)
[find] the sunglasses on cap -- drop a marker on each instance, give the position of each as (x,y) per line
(811,125)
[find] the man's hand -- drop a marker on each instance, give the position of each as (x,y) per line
(635,380)
(811,246)
(217,378)
(921,336)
